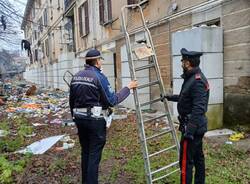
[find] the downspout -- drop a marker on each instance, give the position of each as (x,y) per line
(94,23)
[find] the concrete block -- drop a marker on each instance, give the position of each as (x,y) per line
(216,89)
(215,116)
(203,39)
(212,65)
(176,67)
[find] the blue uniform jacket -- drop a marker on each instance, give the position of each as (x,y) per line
(90,87)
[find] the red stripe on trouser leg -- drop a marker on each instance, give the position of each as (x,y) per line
(184,163)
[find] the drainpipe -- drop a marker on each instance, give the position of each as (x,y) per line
(94,23)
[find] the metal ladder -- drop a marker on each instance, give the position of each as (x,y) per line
(136,53)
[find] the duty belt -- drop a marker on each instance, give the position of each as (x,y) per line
(88,112)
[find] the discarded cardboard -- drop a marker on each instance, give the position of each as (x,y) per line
(31,91)
(143,51)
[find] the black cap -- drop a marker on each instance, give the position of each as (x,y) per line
(93,54)
(190,54)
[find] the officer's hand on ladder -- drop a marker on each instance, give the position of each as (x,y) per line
(132,84)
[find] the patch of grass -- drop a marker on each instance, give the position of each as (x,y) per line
(9,145)
(13,142)
(4,125)
(7,168)
(224,164)
(227,165)
(135,167)
(58,164)
(114,173)
(67,179)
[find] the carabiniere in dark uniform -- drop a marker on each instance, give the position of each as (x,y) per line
(192,106)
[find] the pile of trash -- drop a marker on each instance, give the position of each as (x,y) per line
(33,101)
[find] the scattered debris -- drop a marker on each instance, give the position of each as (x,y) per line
(31,91)
(2,102)
(3,133)
(236,137)
(56,121)
(229,142)
(219,132)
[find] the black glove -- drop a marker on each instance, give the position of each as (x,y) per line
(190,131)
(188,136)
(167,97)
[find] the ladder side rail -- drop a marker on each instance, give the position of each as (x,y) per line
(138,109)
(157,68)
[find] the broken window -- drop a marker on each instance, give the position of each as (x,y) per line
(105,11)
(83,19)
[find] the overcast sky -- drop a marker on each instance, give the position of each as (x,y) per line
(20,6)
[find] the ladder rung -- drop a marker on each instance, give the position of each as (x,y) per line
(166,167)
(144,67)
(158,117)
(150,102)
(157,135)
(166,149)
(161,177)
(149,84)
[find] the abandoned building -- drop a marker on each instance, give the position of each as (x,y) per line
(61,32)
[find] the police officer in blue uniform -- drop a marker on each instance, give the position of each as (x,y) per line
(90,98)
(192,105)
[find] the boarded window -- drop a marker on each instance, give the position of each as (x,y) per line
(105,11)
(83,14)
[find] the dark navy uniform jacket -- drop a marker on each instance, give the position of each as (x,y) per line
(193,100)
(90,87)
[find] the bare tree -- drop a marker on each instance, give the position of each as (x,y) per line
(10,21)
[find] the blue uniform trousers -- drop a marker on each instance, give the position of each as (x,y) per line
(92,137)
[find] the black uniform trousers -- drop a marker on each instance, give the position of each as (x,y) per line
(92,137)
(191,155)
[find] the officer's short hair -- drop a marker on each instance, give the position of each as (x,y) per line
(194,61)
(91,62)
